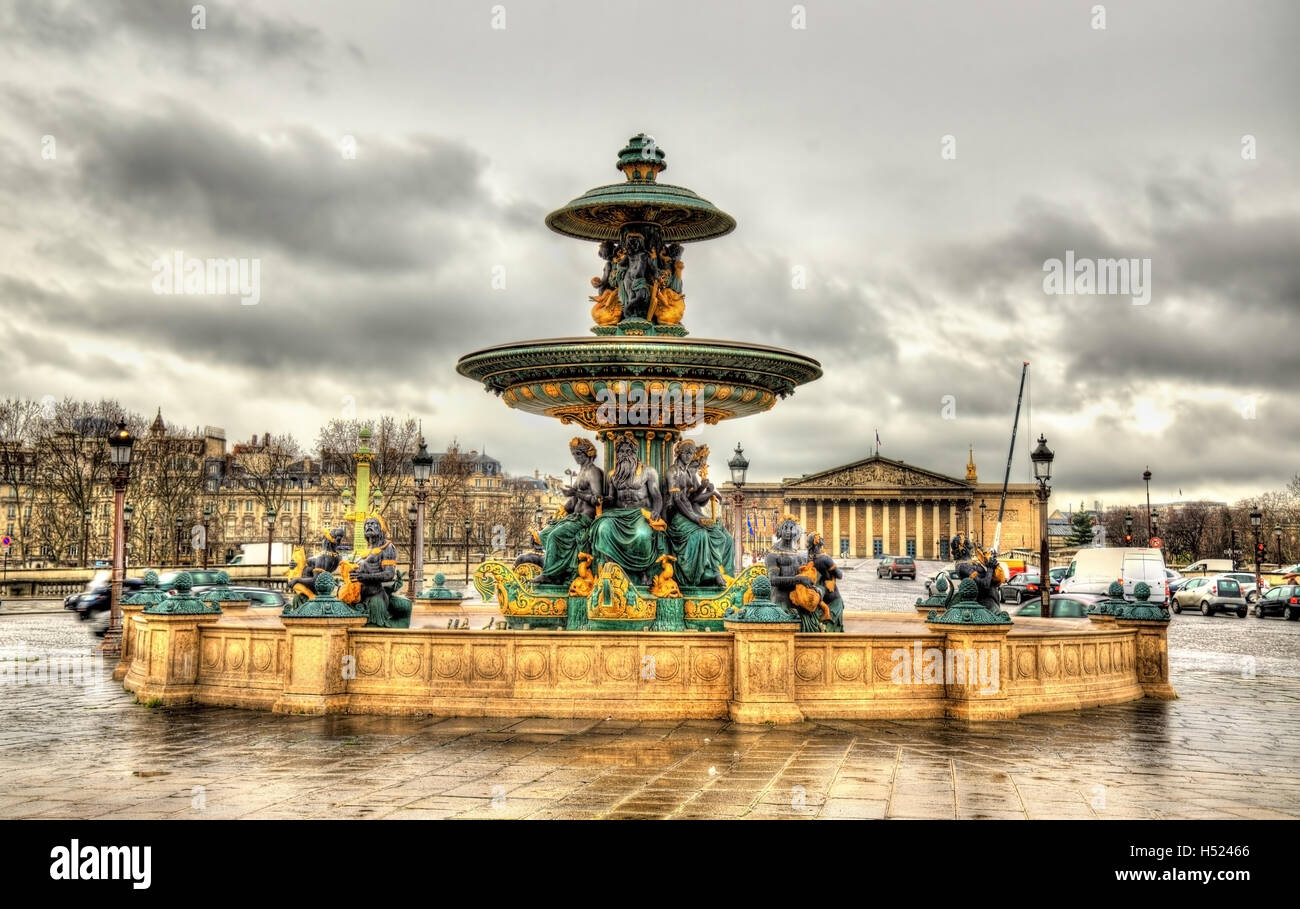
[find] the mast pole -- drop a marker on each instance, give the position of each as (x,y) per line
(1006,477)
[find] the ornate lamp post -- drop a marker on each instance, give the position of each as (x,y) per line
(983,505)
(411,514)
(1255,518)
(85,538)
(270,537)
(422,468)
(1128,528)
(180,522)
(1146,478)
(1277,538)
(119,447)
(1042,460)
(207,520)
(468,525)
(738,464)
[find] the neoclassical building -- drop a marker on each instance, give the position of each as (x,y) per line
(879,506)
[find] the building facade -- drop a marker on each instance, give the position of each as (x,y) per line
(879,506)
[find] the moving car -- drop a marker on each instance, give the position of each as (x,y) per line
(897,567)
(1063,607)
(262,597)
(1093,570)
(1283,600)
(95,600)
(1211,595)
(1023,587)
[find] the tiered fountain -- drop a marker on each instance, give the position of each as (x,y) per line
(638,546)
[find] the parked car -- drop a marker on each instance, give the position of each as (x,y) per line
(1093,571)
(1206,567)
(1058,575)
(95,600)
(1024,587)
(1284,600)
(1211,595)
(1247,582)
(1073,606)
(897,567)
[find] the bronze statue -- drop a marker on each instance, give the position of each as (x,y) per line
(704,548)
(668,303)
(302,576)
(607,309)
(828,573)
(792,587)
(564,538)
(377,573)
(639,273)
(629,531)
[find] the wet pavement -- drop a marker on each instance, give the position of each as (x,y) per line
(1229,747)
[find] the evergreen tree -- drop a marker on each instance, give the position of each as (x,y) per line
(1081,529)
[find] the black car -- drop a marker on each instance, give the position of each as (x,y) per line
(95,599)
(1284,601)
(1024,586)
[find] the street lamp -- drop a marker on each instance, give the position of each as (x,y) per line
(85,537)
(180,522)
(1277,538)
(739,464)
(1042,460)
(1255,518)
(983,505)
(270,536)
(411,514)
(422,468)
(119,447)
(1146,478)
(467,528)
(207,519)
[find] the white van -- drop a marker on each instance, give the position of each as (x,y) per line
(1206,567)
(1093,571)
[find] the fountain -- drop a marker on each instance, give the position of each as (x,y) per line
(640,530)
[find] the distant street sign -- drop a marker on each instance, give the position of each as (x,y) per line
(1155,542)
(6,541)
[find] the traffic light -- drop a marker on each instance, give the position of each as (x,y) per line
(1128,539)
(1259,550)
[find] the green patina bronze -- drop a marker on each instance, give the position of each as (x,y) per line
(182,602)
(221,592)
(966,609)
(1142,610)
(148,594)
(941,593)
(439,590)
(760,609)
(324,605)
(1114,600)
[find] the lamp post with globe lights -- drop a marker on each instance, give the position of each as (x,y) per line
(1042,460)
(1146,478)
(120,443)
(1255,519)
(270,537)
(738,464)
(422,469)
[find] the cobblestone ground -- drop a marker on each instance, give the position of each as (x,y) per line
(1229,748)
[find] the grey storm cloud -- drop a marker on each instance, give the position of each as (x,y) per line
(922,278)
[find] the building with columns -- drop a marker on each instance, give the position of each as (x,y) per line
(879,506)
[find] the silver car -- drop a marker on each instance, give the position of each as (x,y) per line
(1211,595)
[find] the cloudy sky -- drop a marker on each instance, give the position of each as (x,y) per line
(126,135)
